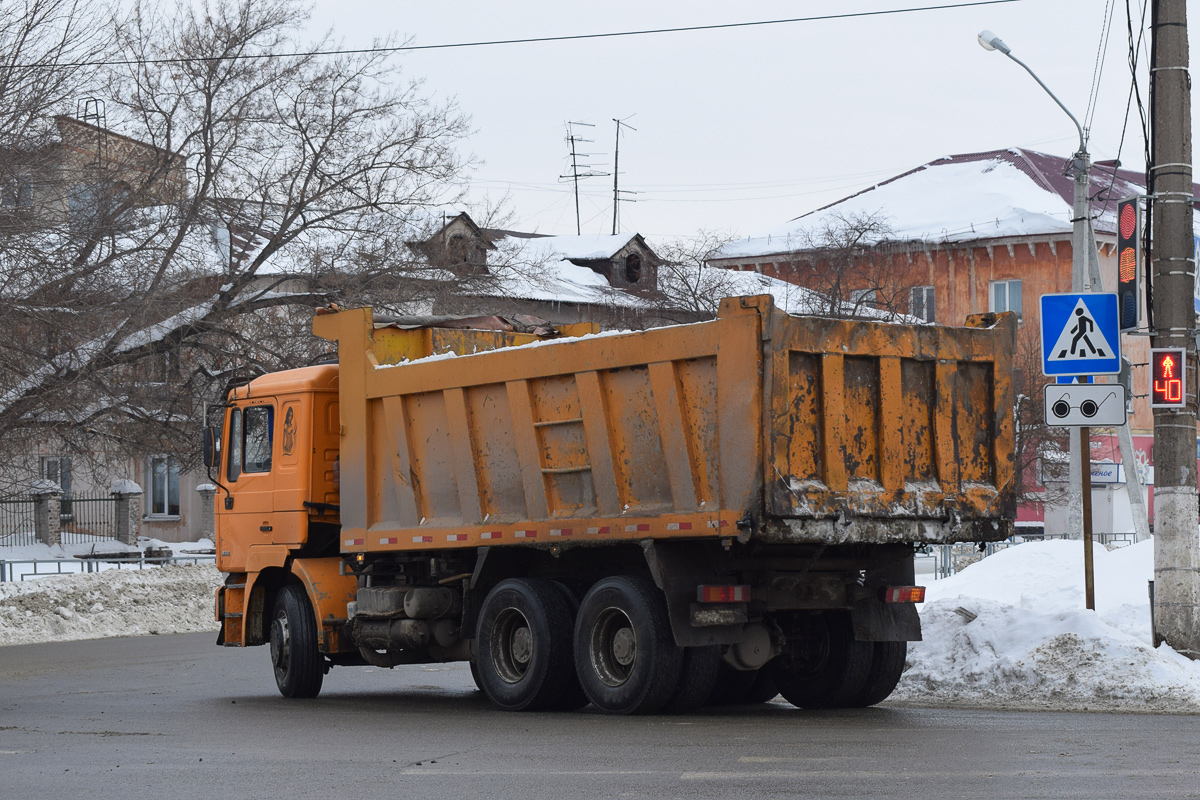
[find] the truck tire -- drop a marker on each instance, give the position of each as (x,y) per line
(738,687)
(887,665)
(573,697)
(524,645)
(828,668)
(625,654)
(298,664)
(697,677)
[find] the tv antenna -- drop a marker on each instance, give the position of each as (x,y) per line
(617,191)
(575,175)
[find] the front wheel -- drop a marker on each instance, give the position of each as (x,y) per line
(625,654)
(298,664)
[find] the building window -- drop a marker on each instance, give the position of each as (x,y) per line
(862,297)
(1006,296)
(163,480)
(920,303)
(633,268)
(57,469)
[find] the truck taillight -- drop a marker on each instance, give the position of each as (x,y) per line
(904,594)
(723,594)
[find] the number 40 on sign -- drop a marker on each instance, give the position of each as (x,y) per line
(1168,377)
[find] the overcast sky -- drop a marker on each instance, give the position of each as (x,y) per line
(742,129)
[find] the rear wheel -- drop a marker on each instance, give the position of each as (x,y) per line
(524,645)
(625,654)
(887,665)
(824,666)
(697,677)
(298,665)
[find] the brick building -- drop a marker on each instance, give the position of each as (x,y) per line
(961,235)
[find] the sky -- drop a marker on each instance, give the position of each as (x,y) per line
(739,130)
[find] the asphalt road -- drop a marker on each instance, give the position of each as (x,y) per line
(177,717)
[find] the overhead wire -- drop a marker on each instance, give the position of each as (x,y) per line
(529,40)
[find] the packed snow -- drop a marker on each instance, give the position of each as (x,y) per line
(1010,631)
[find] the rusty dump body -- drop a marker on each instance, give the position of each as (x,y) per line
(792,430)
(758,483)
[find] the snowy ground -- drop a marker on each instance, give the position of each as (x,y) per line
(1008,632)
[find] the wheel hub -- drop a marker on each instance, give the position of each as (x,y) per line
(280,643)
(512,645)
(522,645)
(624,646)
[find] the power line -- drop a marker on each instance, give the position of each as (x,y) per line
(532,40)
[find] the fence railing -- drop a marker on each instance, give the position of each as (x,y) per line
(88,518)
(17,526)
(83,519)
(20,570)
(951,558)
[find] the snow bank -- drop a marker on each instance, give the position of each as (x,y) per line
(1011,631)
(173,599)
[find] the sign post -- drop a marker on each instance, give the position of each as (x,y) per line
(1080,338)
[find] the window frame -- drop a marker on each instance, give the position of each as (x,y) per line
(169,462)
(1008,296)
(928,303)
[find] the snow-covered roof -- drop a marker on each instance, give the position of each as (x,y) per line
(976,196)
(539,269)
(577,248)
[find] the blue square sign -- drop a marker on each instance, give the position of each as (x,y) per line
(1080,334)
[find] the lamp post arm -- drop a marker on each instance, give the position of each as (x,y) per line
(1078,127)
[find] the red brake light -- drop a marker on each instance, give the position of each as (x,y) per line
(723,594)
(904,594)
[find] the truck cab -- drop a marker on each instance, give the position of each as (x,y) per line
(279,466)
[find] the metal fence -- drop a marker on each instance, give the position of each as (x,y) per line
(951,558)
(20,570)
(83,519)
(17,522)
(87,519)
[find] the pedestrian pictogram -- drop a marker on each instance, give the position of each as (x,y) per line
(1079,334)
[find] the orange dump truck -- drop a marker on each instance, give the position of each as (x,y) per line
(644,521)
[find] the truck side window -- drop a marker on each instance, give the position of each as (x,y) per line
(234,468)
(257,438)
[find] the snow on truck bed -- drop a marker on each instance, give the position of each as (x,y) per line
(1008,632)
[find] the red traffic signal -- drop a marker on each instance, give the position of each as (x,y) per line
(1168,377)
(1129,246)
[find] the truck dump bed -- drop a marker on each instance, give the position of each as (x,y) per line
(756,424)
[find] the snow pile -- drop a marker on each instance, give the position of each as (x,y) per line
(172,599)
(1011,631)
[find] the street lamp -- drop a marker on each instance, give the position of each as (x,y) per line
(1081,281)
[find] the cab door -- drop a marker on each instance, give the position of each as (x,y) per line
(250,476)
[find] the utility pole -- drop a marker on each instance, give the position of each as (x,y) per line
(575,174)
(1173,268)
(617,172)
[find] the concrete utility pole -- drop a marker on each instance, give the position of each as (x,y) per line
(1173,267)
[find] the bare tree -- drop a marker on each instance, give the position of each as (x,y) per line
(848,259)
(251,179)
(685,280)
(1037,445)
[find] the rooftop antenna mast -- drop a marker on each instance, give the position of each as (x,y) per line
(617,173)
(575,174)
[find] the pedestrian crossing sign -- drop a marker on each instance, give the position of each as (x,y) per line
(1080,334)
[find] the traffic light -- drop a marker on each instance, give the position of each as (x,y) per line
(1129,256)
(1168,377)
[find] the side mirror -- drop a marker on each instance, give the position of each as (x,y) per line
(209,447)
